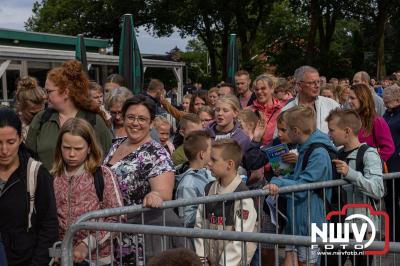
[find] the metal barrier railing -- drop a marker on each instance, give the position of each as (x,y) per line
(276,239)
(211,234)
(208,199)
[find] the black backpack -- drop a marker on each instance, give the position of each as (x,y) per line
(99,183)
(360,165)
(359,157)
(332,155)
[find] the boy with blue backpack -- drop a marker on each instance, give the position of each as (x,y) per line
(317,167)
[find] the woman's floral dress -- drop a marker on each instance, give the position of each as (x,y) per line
(133,173)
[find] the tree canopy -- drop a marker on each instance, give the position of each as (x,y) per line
(337,37)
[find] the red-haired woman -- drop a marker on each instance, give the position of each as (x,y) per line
(68,96)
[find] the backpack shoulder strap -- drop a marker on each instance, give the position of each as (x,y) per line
(45,117)
(99,183)
(208,188)
(308,152)
(32,172)
(360,158)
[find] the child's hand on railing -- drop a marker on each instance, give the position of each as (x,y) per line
(273,189)
(80,252)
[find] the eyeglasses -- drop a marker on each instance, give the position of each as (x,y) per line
(48,91)
(115,113)
(140,119)
(311,83)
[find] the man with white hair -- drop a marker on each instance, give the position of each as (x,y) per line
(363,77)
(308,85)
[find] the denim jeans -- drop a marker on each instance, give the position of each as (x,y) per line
(3,257)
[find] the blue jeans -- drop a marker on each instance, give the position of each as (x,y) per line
(256,258)
(3,256)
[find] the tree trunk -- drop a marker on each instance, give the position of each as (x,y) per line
(244,45)
(315,16)
(330,30)
(246,55)
(209,40)
(380,48)
(326,31)
(224,54)
(213,64)
(357,61)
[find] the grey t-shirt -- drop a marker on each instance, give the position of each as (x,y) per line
(379,104)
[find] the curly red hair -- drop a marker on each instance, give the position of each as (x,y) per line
(70,76)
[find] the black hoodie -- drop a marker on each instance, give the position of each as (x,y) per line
(25,247)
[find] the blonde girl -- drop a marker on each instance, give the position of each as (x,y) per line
(226,126)
(77,161)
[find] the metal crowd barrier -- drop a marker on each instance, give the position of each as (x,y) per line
(85,222)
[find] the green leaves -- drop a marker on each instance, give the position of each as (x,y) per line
(333,35)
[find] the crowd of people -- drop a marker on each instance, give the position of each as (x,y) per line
(75,146)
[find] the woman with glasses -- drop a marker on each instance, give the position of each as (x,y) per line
(114,102)
(68,96)
(142,166)
(207,116)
